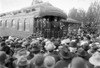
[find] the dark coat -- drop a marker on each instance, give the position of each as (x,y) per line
(62,64)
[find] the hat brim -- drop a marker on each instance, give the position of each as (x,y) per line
(94,62)
(82,54)
(17,56)
(66,57)
(35,49)
(19,64)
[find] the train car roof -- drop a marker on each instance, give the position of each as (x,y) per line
(70,20)
(39,10)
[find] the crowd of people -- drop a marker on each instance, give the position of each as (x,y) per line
(77,51)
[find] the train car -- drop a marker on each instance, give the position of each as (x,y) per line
(70,26)
(24,22)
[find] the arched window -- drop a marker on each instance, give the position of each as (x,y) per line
(5,23)
(20,25)
(13,23)
(27,24)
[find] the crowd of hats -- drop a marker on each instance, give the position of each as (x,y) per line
(39,52)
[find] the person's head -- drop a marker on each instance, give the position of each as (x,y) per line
(49,62)
(73,44)
(55,19)
(86,47)
(2,44)
(35,47)
(2,57)
(39,60)
(23,63)
(78,62)
(81,52)
(50,47)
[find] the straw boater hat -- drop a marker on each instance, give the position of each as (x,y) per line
(65,41)
(23,62)
(22,52)
(25,43)
(11,38)
(95,59)
(83,42)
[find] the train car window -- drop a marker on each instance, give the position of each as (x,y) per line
(33,9)
(5,23)
(1,23)
(13,23)
(27,24)
(20,25)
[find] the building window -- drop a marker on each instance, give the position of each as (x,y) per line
(27,24)
(20,25)
(5,23)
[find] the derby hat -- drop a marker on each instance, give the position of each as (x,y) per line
(65,53)
(73,44)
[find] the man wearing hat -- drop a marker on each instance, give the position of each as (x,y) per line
(36,50)
(66,57)
(23,63)
(84,54)
(5,48)
(22,52)
(50,51)
(3,57)
(35,47)
(73,46)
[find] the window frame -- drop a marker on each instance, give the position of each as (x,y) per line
(27,21)
(13,24)
(20,27)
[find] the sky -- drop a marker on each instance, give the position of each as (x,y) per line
(65,5)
